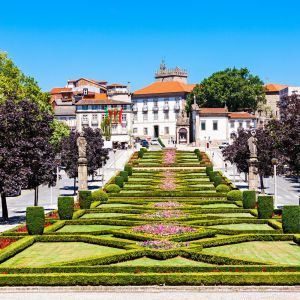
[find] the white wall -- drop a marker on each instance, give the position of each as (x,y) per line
(209,134)
(243,123)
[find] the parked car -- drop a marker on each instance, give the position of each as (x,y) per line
(223,145)
(154,142)
(145,143)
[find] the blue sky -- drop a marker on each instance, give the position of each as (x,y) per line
(122,41)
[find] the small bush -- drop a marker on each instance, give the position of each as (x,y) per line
(119,180)
(249,199)
(124,174)
(65,207)
(144,149)
(217,180)
(212,175)
(291,219)
(140,154)
(199,156)
(128,169)
(85,199)
(196,151)
(235,195)
(113,188)
(265,207)
(99,195)
(35,220)
(223,188)
(208,169)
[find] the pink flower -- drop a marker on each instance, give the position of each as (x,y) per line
(162,244)
(163,229)
(169,204)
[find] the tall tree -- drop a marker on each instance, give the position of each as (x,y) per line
(26,155)
(236,88)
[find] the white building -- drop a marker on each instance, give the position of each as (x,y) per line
(216,125)
(157,107)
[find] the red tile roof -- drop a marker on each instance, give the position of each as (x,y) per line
(273,87)
(60,90)
(241,115)
(165,87)
(98,101)
(213,110)
(116,85)
(95,96)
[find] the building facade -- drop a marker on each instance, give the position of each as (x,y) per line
(157,107)
(217,125)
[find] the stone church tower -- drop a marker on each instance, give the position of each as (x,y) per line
(176,74)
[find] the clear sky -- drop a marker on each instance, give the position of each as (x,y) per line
(122,41)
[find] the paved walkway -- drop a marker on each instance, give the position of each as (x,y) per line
(151,293)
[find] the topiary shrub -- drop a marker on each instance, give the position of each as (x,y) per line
(291,219)
(124,174)
(99,195)
(119,180)
(217,180)
(265,207)
(196,151)
(65,207)
(235,195)
(113,188)
(223,188)
(85,199)
(35,220)
(140,154)
(144,149)
(208,169)
(128,169)
(249,199)
(212,175)
(199,156)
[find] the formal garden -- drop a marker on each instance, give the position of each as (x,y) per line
(168,218)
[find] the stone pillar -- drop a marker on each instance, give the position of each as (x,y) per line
(82,163)
(253,171)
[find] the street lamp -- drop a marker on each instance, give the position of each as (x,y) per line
(275,163)
(102,167)
(115,150)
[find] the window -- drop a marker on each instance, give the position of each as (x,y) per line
(166,130)
(94,118)
(145,131)
(85,119)
(215,125)
(95,107)
(124,117)
(203,125)
(155,115)
(124,106)
(155,103)
(145,102)
(248,124)
(135,117)
(231,124)
(240,124)
(166,115)
(145,116)
(135,130)
(85,107)
(166,100)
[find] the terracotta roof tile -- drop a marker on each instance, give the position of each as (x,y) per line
(165,87)
(213,110)
(100,101)
(241,115)
(60,90)
(273,87)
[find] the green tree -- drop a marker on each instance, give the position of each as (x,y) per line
(236,88)
(60,131)
(106,128)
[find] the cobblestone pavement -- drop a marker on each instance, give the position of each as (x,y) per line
(151,293)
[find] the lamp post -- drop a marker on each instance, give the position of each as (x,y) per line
(275,163)
(115,150)
(102,167)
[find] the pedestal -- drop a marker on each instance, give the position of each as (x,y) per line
(253,174)
(82,174)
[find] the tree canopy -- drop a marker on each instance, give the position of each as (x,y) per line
(236,88)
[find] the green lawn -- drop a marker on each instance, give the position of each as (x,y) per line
(176,261)
(114,205)
(243,226)
(102,215)
(282,252)
(46,253)
(88,228)
(218,205)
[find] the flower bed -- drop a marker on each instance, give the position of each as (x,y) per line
(162,244)
(6,242)
(163,229)
(169,157)
(24,228)
(168,204)
(168,182)
(165,214)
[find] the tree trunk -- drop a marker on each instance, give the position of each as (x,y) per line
(35,197)
(74,187)
(262,187)
(93,177)
(246,177)
(4,207)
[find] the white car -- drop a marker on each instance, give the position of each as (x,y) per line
(154,142)
(223,145)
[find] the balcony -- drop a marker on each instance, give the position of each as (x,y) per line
(95,122)
(166,107)
(134,108)
(145,107)
(177,107)
(84,121)
(155,108)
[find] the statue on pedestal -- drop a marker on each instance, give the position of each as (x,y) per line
(82,163)
(253,171)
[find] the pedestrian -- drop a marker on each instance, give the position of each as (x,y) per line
(225,167)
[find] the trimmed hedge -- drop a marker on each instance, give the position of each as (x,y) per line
(119,180)
(291,219)
(128,169)
(249,199)
(113,188)
(99,195)
(35,220)
(208,169)
(235,195)
(223,188)
(265,207)
(217,180)
(65,206)
(124,174)
(140,154)
(85,199)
